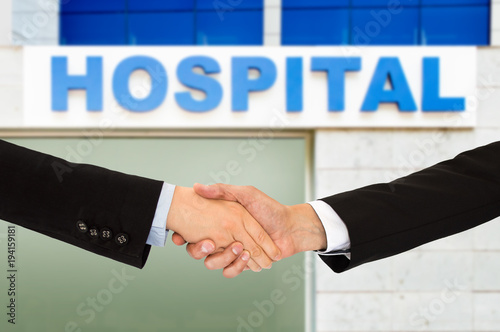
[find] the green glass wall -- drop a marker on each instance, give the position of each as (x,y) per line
(63,288)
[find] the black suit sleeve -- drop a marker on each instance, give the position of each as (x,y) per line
(447,198)
(50,196)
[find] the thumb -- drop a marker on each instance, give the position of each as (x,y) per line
(215,191)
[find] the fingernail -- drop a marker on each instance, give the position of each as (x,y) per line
(207,248)
(245,256)
(237,250)
(277,258)
(269,267)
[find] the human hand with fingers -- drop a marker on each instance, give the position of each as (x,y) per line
(233,259)
(195,218)
(293,229)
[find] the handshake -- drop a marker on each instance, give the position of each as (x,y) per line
(241,228)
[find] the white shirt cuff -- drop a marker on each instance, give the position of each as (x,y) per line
(158,233)
(337,236)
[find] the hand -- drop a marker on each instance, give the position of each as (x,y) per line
(294,228)
(234,259)
(196,218)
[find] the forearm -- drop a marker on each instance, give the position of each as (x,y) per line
(450,197)
(49,195)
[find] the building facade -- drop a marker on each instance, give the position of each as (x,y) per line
(450,285)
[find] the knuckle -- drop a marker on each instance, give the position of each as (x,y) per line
(275,251)
(255,251)
(227,223)
(261,236)
(250,188)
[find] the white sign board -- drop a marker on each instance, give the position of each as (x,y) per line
(249,87)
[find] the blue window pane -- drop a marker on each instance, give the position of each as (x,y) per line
(391,4)
(455,2)
(315,3)
(315,27)
(93,29)
(229,5)
(232,28)
(92,6)
(176,28)
(455,25)
(137,5)
(378,26)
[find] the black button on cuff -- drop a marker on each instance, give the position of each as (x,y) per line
(106,234)
(121,239)
(81,226)
(94,233)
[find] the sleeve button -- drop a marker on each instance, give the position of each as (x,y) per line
(121,239)
(106,234)
(82,226)
(94,233)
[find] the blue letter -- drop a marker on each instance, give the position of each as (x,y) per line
(336,68)
(400,93)
(210,86)
(431,101)
(242,85)
(62,82)
(294,85)
(158,83)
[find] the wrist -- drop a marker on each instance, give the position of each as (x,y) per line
(307,229)
(174,217)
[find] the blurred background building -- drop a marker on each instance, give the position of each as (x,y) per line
(449,285)
(253,22)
